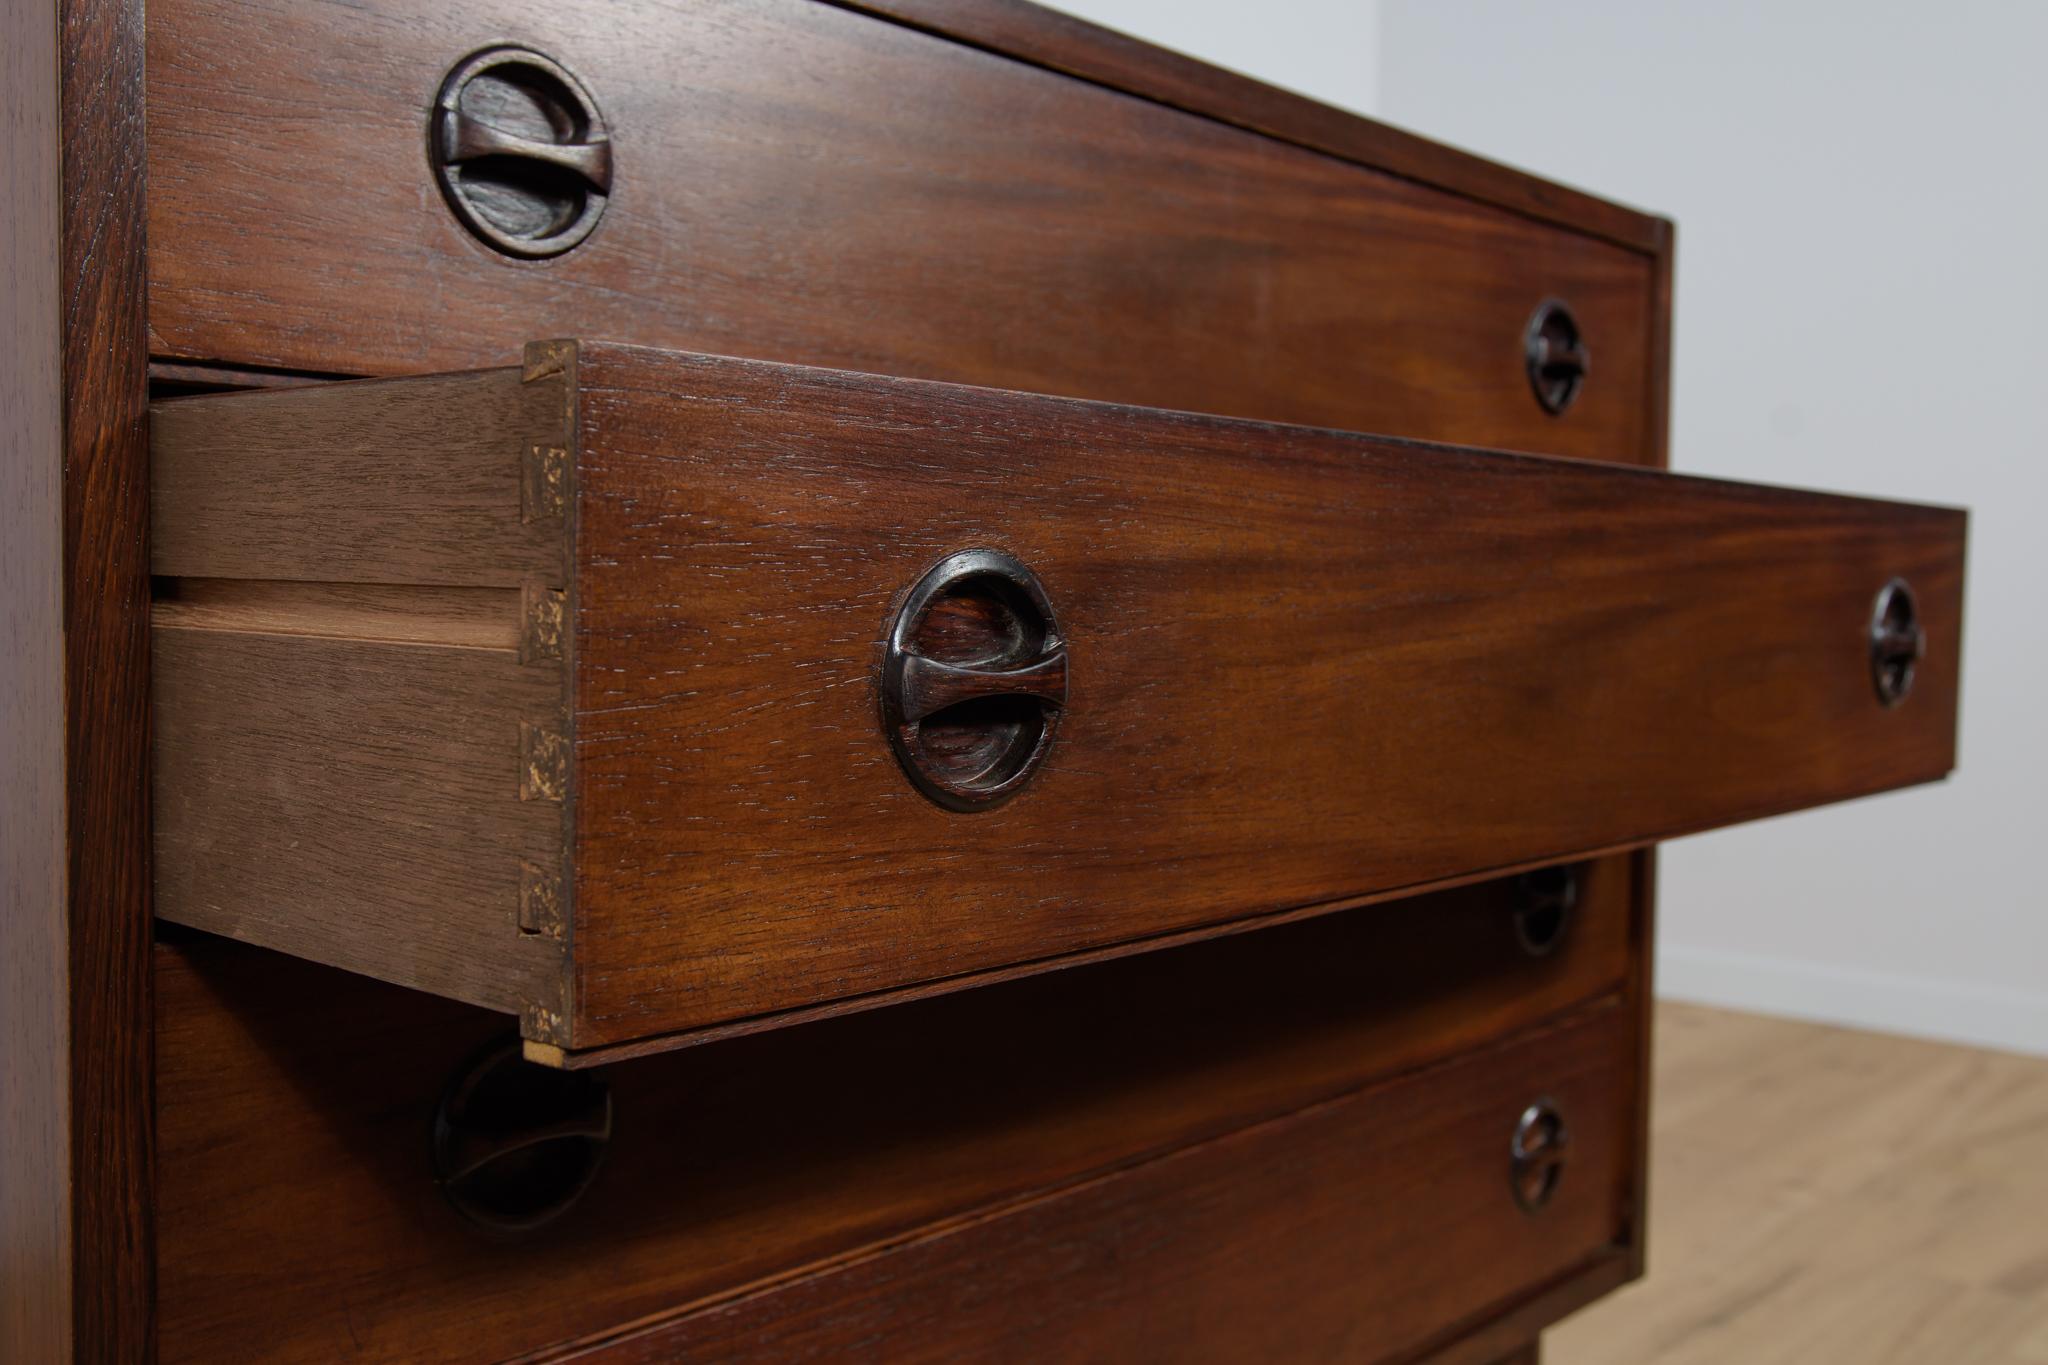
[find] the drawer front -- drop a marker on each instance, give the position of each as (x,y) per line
(1271,668)
(1364,1230)
(798,182)
(299,1219)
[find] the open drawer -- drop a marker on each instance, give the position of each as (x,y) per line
(650,696)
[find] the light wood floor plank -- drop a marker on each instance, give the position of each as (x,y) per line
(1823,1195)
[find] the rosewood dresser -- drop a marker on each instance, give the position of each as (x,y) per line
(890,679)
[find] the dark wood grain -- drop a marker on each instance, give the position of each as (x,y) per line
(1305,666)
(75,1081)
(35,1053)
(1514,1328)
(300,1223)
(1532,1354)
(76,1078)
(1641,996)
(1308,669)
(1642,977)
(1657,372)
(797,182)
(1349,1231)
(1062,42)
(278,1032)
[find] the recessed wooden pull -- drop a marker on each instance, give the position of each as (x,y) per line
(516,1145)
(1546,902)
(1537,1154)
(521,152)
(930,686)
(1556,356)
(974,679)
(1897,642)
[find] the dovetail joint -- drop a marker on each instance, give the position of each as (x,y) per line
(542,1024)
(545,359)
(543,616)
(543,483)
(543,763)
(540,900)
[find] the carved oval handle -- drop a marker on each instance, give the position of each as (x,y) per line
(1897,642)
(466,138)
(1546,902)
(1556,356)
(1537,1154)
(929,686)
(520,151)
(515,1144)
(974,678)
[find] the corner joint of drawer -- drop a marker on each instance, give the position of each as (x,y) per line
(542,1029)
(543,620)
(543,762)
(540,900)
(547,359)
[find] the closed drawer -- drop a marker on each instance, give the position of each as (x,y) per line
(796,181)
(1367,1230)
(299,1216)
(630,691)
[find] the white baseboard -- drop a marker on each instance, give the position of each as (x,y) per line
(1983,1016)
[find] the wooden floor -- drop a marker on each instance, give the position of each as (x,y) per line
(1821,1195)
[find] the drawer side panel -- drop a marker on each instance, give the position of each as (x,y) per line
(408,481)
(358,803)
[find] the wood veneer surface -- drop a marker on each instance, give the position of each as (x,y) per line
(300,1220)
(1065,42)
(797,182)
(75,1079)
(1306,666)
(35,1068)
(1356,1230)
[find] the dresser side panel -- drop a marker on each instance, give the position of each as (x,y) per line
(35,1007)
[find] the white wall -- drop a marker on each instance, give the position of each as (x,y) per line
(1322,48)
(1862,304)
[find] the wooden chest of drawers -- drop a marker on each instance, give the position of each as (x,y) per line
(796,856)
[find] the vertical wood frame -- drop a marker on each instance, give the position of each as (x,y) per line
(1643,972)
(106,712)
(74,1017)
(35,1232)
